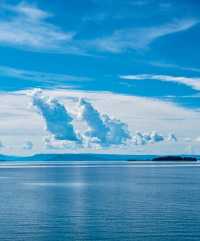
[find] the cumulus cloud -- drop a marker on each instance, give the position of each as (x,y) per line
(138,139)
(194,82)
(28,145)
(102,131)
(152,137)
(57,118)
(172,138)
(101,128)
(98,130)
(146,138)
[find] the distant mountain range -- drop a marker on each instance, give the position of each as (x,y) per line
(78,157)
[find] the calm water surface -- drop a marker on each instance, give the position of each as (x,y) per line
(100,202)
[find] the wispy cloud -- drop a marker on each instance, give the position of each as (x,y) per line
(173,66)
(26,10)
(28,27)
(140,38)
(40,77)
(194,83)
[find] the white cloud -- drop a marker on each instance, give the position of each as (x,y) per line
(101,128)
(30,11)
(172,138)
(139,38)
(28,28)
(146,138)
(28,145)
(141,139)
(19,123)
(118,131)
(138,139)
(57,118)
(194,83)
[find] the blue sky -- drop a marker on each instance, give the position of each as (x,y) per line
(142,49)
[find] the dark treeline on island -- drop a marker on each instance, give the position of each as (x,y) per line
(174,158)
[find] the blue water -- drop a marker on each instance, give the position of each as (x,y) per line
(100,202)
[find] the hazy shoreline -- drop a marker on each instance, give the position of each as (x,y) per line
(82,157)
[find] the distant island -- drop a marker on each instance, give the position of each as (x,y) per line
(174,158)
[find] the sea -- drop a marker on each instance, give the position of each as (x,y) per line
(116,201)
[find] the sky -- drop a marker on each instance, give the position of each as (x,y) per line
(103,76)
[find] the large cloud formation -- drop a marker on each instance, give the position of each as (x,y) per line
(58,120)
(101,128)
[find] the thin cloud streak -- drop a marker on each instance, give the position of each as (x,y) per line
(194,83)
(40,77)
(173,66)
